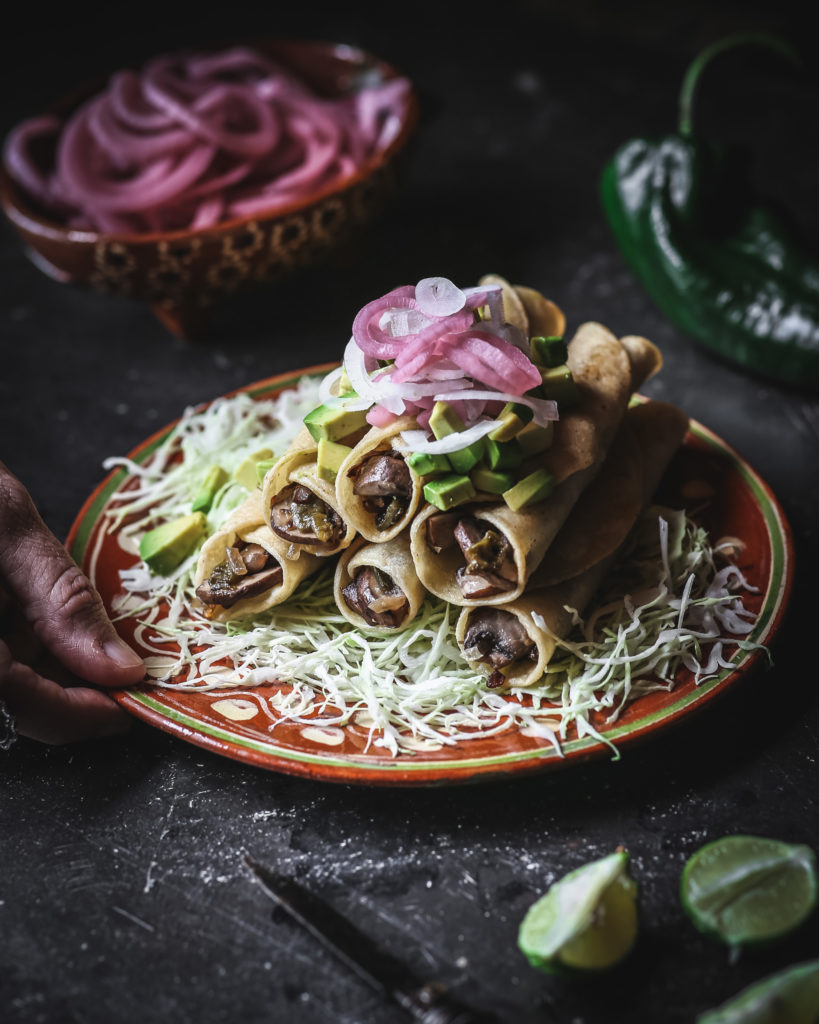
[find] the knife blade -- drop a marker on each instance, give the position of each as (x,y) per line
(426,1002)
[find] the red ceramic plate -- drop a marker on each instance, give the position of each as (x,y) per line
(705,473)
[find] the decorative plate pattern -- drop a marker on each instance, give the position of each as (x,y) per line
(705,473)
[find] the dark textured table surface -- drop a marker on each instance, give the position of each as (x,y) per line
(122,893)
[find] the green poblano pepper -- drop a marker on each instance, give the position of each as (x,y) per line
(725,267)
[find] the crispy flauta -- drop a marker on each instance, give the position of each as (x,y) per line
(246,525)
(377,440)
(392,558)
(656,431)
(602,369)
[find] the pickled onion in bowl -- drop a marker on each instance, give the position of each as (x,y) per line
(194,139)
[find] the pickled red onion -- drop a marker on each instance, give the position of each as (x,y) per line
(192,139)
(475,366)
(438,296)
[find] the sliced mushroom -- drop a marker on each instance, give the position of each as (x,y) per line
(225,589)
(301,517)
(374,596)
(497,637)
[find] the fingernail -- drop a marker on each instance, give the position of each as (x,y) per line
(121,653)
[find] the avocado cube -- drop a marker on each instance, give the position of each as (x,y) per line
(167,546)
(465,459)
(444,421)
(345,388)
(512,419)
(263,468)
(532,488)
(503,455)
(330,456)
(559,385)
(214,481)
(534,439)
(425,465)
(332,421)
(549,351)
(491,480)
(448,491)
(245,472)
(523,412)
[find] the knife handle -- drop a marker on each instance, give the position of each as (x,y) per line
(433,1004)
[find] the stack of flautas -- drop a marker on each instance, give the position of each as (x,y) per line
(355,483)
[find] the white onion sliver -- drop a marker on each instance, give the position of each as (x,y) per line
(438,296)
(416,440)
(355,365)
(325,388)
(402,322)
(545,409)
(423,389)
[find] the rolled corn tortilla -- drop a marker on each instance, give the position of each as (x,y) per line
(518,627)
(298,467)
(246,526)
(545,319)
(602,368)
(587,537)
(375,484)
(513,629)
(378,597)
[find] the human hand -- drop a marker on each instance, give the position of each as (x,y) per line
(43,589)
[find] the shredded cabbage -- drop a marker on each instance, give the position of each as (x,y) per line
(410,689)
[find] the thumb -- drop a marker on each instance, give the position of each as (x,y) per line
(56,597)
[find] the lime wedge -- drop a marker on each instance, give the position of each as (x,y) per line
(787,997)
(587,921)
(748,890)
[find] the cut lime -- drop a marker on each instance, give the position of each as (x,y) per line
(749,890)
(587,921)
(787,997)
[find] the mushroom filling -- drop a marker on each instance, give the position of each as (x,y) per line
(383,481)
(247,571)
(373,595)
(490,565)
(301,517)
(498,638)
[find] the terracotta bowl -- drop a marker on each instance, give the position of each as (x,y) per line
(181,273)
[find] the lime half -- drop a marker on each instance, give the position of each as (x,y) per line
(788,997)
(587,921)
(749,890)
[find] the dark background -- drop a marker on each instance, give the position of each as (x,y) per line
(122,895)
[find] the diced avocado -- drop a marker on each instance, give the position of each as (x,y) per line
(263,468)
(425,465)
(534,439)
(559,385)
(503,454)
(520,409)
(245,472)
(512,419)
(167,546)
(448,491)
(531,489)
(332,421)
(330,456)
(344,385)
(491,480)
(444,421)
(467,458)
(549,351)
(213,482)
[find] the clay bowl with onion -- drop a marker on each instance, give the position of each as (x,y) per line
(182,270)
